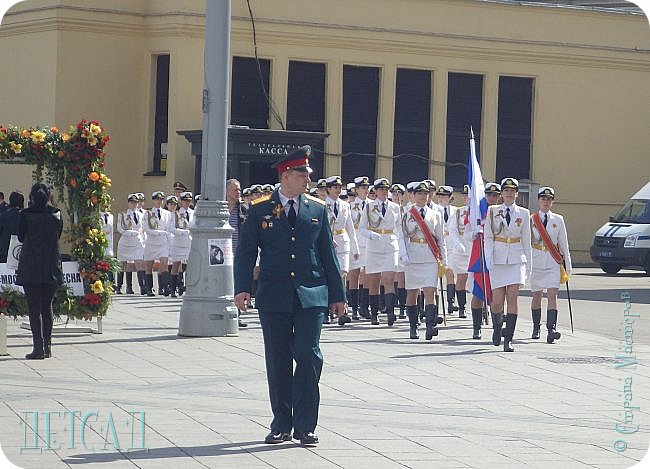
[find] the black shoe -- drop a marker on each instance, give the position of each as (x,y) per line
(391,318)
(306,438)
(461,313)
(374,319)
(552,336)
(431,332)
(118,290)
(35,355)
(535,334)
(129,291)
(242,323)
(274,438)
(326,319)
(343,320)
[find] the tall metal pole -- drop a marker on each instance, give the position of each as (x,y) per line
(208,309)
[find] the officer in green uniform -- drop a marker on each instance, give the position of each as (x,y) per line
(299,280)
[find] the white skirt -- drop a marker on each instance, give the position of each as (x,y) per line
(126,253)
(543,279)
(458,262)
(344,260)
(420,276)
(502,275)
(384,262)
(361,262)
(179,253)
(153,252)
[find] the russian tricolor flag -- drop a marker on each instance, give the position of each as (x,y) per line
(477,207)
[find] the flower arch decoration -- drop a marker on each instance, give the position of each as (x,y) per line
(72,163)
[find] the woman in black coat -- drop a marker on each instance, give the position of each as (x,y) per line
(9,220)
(39,265)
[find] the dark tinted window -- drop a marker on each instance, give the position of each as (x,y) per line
(464,108)
(161,113)
(412,123)
(248,103)
(360,108)
(306,96)
(514,127)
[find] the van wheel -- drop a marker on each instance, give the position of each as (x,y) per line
(610,268)
(646,267)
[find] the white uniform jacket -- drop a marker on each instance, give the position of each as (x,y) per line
(107,228)
(381,231)
(542,259)
(158,226)
(343,232)
(507,244)
(413,246)
(357,207)
(129,225)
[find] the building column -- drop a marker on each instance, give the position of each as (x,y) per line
(438,133)
(386,121)
(278,91)
(488,149)
(333,118)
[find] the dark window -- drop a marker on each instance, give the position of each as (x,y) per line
(412,122)
(306,96)
(360,108)
(464,108)
(160,114)
(514,127)
(250,84)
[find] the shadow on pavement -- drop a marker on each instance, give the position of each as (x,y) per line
(637,295)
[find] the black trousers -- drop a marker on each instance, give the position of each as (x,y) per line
(39,303)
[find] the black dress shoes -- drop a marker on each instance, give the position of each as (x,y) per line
(274,438)
(306,438)
(35,355)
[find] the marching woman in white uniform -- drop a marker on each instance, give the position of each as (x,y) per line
(157,227)
(444,196)
(181,242)
(130,247)
(185,211)
(459,250)
(422,252)
(356,277)
(380,224)
(397,192)
(550,251)
(508,258)
(343,234)
(107,223)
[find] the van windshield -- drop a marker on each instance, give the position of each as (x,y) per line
(634,211)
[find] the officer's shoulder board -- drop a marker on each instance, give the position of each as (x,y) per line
(315,199)
(264,198)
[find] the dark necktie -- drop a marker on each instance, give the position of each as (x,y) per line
(336,209)
(446,215)
(363,204)
(545,220)
(106,219)
(291,216)
(508,216)
(158,213)
(187,216)
(383,209)
(135,218)
(422,212)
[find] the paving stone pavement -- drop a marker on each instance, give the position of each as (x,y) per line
(386,401)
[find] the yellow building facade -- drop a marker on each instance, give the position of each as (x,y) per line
(589,71)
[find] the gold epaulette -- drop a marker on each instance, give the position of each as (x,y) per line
(315,199)
(264,198)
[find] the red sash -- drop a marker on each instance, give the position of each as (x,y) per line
(431,241)
(552,248)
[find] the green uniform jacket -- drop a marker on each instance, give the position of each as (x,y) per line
(300,260)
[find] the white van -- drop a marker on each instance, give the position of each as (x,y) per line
(625,240)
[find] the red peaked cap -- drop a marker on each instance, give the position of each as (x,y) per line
(297,160)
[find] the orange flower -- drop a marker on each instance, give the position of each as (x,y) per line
(93,176)
(54,130)
(73,183)
(24,133)
(60,154)
(65,137)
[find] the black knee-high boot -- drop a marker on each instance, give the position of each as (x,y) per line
(162,283)
(364,302)
(382,298)
(374,309)
(431,321)
(173,284)
(354,303)
(38,352)
(551,322)
(412,313)
(401,299)
(537,319)
(477,319)
(451,295)
(497,323)
(148,280)
(181,283)
(390,308)
(120,281)
(461,296)
(129,282)
(511,321)
(142,283)
(420,303)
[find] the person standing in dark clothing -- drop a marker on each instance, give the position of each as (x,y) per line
(9,223)
(39,265)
